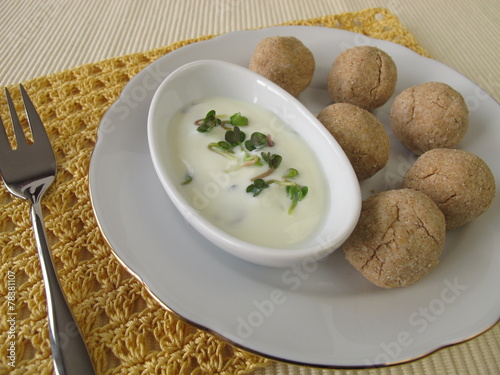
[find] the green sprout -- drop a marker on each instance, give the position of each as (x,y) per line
(291,173)
(232,138)
(235,137)
(294,191)
(187,179)
(272,160)
(208,123)
(211,121)
(257,186)
(296,194)
(238,120)
(256,142)
(223,148)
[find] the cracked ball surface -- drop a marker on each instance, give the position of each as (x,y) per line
(398,239)
(284,60)
(364,76)
(428,116)
(362,137)
(459,182)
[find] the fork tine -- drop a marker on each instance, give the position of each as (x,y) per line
(37,129)
(4,141)
(18,130)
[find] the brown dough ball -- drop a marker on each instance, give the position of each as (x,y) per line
(398,239)
(286,61)
(430,115)
(365,76)
(460,183)
(362,137)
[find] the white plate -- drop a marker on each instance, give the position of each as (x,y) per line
(322,314)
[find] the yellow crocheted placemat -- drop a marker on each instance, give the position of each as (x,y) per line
(126,329)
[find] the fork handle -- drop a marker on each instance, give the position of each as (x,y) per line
(69,351)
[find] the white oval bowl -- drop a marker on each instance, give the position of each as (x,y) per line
(207,78)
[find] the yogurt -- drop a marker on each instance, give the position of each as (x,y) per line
(216,186)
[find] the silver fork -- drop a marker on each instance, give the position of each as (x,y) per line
(27,172)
